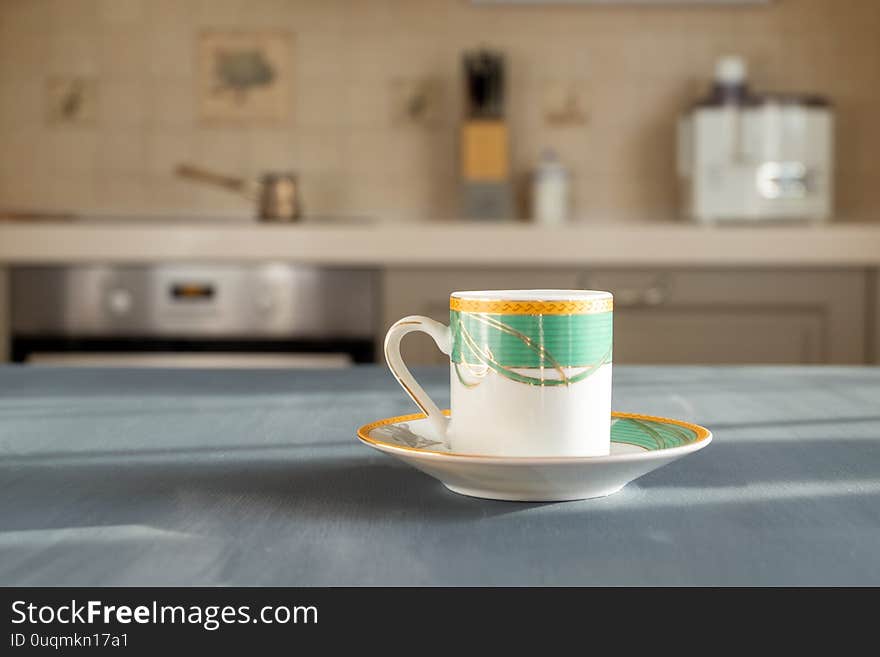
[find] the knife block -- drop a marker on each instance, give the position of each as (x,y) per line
(485,170)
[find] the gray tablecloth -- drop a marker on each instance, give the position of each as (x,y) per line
(127,477)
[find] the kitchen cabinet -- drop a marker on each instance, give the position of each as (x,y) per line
(682,316)
(874,317)
(737,316)
(4,315)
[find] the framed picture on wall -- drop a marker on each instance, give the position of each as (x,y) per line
(244,76)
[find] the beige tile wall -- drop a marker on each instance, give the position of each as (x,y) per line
(638,66)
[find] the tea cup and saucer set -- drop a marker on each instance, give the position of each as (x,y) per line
(531,419)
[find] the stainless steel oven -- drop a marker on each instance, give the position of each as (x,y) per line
(203,315)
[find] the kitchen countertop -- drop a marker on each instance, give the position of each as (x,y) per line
(152,477)
(440,243)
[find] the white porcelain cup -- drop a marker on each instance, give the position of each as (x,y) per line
(530,372)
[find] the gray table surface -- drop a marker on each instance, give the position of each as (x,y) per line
(139,477)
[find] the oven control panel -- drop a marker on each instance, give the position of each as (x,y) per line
(260,300)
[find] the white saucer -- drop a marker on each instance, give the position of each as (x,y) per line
(639,444)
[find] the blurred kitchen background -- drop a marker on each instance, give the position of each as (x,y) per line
(372,115)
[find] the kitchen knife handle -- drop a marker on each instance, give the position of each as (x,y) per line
(442,337)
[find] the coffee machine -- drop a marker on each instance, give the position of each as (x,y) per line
(755,156)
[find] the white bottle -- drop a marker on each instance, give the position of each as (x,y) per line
(550,190)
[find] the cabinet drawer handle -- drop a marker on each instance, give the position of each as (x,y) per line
(655,295)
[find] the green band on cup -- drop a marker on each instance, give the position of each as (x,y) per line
(556,344)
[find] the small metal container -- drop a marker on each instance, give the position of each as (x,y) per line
(277,194)
(279,197)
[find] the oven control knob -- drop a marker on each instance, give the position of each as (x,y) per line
(119,302)
(266,303)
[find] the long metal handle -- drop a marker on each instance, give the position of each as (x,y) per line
(240,185)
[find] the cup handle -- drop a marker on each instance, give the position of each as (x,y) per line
(441,335)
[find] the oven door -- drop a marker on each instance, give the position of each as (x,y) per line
(92,351)
(217,360)
(194,315)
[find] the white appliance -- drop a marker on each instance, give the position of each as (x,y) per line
(744,156)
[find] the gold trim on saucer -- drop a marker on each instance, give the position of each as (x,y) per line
(363,433)
(511,307)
